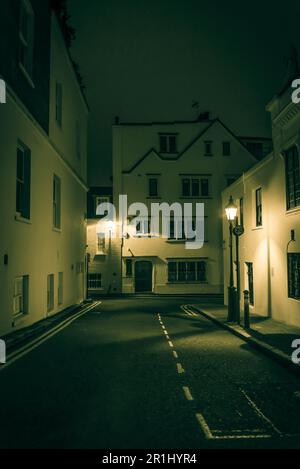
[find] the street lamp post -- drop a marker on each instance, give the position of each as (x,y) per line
(238,230)
(231,210)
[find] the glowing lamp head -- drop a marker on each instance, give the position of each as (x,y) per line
(231,209)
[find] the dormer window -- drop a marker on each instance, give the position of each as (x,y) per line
(168,143)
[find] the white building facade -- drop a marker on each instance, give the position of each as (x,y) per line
(42,178)
(268,200)
(176,162)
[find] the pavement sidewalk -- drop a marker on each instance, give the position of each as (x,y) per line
(21,336)
(265,334)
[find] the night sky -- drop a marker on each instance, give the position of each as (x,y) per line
(149,60)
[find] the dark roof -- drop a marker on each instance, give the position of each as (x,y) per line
(211,123)
(256,138)
(141,124)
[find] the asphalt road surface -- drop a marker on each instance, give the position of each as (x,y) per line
(145,373)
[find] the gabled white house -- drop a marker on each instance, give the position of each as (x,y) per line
(175,162)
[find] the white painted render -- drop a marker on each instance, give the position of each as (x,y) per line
(267,246)
(33,247)
(136,156)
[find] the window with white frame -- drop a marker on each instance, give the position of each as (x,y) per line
(168,143)
(250,281)
(100,243)
(56,202)
(258,207)
(50,292)
(294,275)
(99,199)
(181,229)
(208,148)
(186,270)
(26,37)
(194,186)
(60,290)
(226,148)
(143,227)
(20,299)
(153,187)
(292,176)
(23,181)
(94,280)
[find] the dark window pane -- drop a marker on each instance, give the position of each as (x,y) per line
(204,188)
(191,271)
(186,187)
(172,271)
(226,148)
(201,271)
(242,211)
(172,228)
(294,275)
(258,199)
(153,187)
(195,187)
(128,267)
(20,164)
(208,148)
(292,178)
(172,144)
(250,282)
(163,143)
(181,271)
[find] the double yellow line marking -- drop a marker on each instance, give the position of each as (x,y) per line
(14,356)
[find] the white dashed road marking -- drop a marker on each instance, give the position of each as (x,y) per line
(180,368)
(187,393)
(204,427)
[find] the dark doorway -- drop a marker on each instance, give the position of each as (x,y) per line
(143,276)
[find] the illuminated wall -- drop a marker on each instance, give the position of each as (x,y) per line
(267,246)
(136,155)
(33,247)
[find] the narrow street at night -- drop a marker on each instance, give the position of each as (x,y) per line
(147,373)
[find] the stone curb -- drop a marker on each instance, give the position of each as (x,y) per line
(272,352)
(16,338)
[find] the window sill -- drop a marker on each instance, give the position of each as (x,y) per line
(292,211)
(257,228)
(293,298)
(21,219)
(56,230)
(187,282)
(26,75)
(195,197)
(18,317)
(183,240)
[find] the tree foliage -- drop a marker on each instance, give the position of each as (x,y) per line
(69,33)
